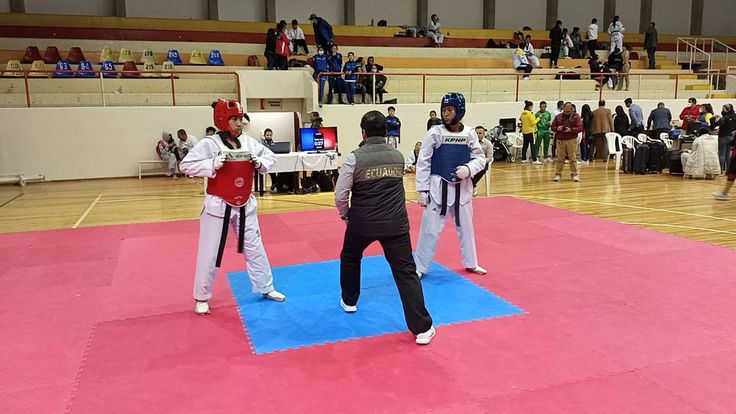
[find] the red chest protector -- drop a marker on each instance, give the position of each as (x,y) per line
(233,183)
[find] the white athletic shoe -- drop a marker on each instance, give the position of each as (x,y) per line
(425,338)
(720,195)
(549,159)
(557,178)
(537,162)
(525,161)
(275,295)
(478,270)
(576,178)
(201,308)
(348,308)
(475,191)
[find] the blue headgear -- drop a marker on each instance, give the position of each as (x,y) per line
(456,100)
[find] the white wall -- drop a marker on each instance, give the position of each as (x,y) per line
(181,9)
(630,13)
(331,10)
(242,10)
(718,17)
(515,14)
(87,153)
(579,13)
(672,16)
(468,13)
(86,7)
(4,6)
(396,13)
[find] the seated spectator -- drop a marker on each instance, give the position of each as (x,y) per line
(411,162)
(615,64)
(360,80)
(166,148)
(597,70)
(315,119)
(433,120)
(702,160)
(380,80)
(576,51)
(531,57)
(185,144)
(520,62)
(210,131)
(487,147)
(296,35)
(268,141)
(567,44)
(434,32)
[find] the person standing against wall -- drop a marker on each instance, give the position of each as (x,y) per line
(555,37)
(393,128)
(592,36)
(616,30)
(650,44)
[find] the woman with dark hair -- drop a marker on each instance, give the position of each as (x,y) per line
(528,129)
(587,116)
(726,126)
(706,113)
(621,121)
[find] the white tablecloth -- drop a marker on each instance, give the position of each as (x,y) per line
(303,161)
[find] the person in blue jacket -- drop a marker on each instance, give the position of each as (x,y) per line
(393,127)
(335,81)
(351,66)
(320,65)
(322,32)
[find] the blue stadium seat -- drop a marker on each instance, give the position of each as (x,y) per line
(174,56)
(108,65)
(63,69)
(215,58)
(84,70)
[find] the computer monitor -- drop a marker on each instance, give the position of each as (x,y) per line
(318,139)
(508,124)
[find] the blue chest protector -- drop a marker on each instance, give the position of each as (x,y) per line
(447,157)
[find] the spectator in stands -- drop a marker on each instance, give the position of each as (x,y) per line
(726,126)
(528,129)
(543,133)
(567,44)
(528,48)
(210,131)
(349,69)
(322,32)
(360,79)
(637,117)
(434,32)
(730,178)
(411,163)
(282,47)
(587,116)
(625,69)
(659,120)
(615,63)
(555,37)
(433,120)
(334,60)
(621,123)
(520,62)
(296,35)
(567,126)
(596,72)
(166,150)
(393,128)
(315,119)
(380,80)
(321,65)
(706,114)
(602,123)
(270,51)
(487,147)
(702,160)
(616,31)
(372,62)
(592,36)
(650,44)
(690,114)
(576,51)
(185,144)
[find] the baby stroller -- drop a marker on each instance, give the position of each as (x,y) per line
(502,148)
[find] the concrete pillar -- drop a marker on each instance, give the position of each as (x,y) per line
(121,9)
(17,6)
(349,12)
(489,14)
(213,9)
(609,10)
(645,16)
(270,6)
(552,12)
(696,18)
(422,12)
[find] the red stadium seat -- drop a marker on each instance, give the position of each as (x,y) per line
(51,55)
(75,55)
(31,55)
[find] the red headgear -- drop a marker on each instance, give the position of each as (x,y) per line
(226,109)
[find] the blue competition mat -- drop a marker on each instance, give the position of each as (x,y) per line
(312,314)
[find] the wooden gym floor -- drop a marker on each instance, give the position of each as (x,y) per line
(659,202)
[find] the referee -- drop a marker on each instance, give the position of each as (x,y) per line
(377,211)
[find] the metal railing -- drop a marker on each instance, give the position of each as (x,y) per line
(598,81)
(103,75)
(693,53)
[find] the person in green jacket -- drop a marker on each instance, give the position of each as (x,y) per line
(543,134)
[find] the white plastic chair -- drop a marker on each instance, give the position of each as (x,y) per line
(667,140)
(643,137)
(614,148)
(629,141)
(517,140)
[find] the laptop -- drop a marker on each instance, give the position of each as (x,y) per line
(280,147)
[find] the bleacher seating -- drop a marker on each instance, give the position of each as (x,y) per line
(167,66)
(110,68)
(106,55)
(196,58)
(125,56)
(32,54)
(13,69)
(150,71)
(84,70)
(38,65)
(75,55)
(132,70)
(63,69)
(148,56)
(174,57)
(215,58)
(51,55)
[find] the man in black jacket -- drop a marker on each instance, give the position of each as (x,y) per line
(555,37)
(377,211)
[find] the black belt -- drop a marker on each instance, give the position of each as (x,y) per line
(223,235)
(443,210)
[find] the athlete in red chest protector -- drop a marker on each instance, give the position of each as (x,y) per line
(228,160)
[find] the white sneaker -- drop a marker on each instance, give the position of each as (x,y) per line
(478,269)
(425,338)
(348,308)
(275,295)
(475,191)
(420,274)
(720,195)
(576,178)
(525,161)
(549,159)
(201,308)
(557,178)
(537,162)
